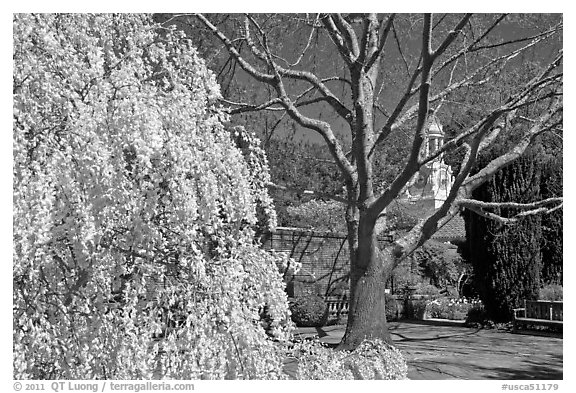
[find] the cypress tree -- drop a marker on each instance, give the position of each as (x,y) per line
(507,259)
(552,224)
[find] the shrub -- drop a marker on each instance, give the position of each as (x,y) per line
(438,262)
(551,292)
(436,308)
(318,215)
(476,313)
(309,310)
(453,309)
(427,289)
(373,359)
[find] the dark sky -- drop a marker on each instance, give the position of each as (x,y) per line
(288,36)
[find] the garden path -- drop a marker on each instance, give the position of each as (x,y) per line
(436,350)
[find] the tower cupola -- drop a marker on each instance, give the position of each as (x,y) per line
(435,135)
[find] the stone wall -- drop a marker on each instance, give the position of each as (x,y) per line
(324,258)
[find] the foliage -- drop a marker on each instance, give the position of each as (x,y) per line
(318,215)
(427,289)
(551,292)
(437,264)
(477,314)
(257,163)
(134,211)
(448,308)
(552,224)
(430,268)
(372,359)
(309,310)
(406,274)
(401,217)
(507,259)
(305,166)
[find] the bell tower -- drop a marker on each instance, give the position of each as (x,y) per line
(430,186)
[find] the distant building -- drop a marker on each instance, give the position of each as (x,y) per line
(429,188)
(434,180)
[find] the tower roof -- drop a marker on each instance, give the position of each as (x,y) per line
(435,127)
(455,229)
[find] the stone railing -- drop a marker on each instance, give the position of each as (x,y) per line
(337,307)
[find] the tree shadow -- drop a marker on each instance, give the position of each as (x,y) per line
(424,369)
(321,332)
(404,338)
(415,369)
(530,369)
(538,333)
(411,339)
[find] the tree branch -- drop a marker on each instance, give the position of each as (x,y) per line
(275,80)
(471,48)
(307,44)
(502,161)
(451,37)
(376,55)
(244,107)
(483,134)
(391,123)
(428,226)
(394,122)
(323,128)
(509,205)
(266,56)
(411,166)
(349,34)
(524,39)
(530,209)
(260,76)
(468,48)
(337,39)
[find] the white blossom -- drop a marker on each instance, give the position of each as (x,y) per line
(133,211)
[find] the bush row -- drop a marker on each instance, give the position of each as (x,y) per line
(311,310)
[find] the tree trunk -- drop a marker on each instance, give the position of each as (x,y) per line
(368,275)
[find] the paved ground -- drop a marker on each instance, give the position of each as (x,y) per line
(437,350)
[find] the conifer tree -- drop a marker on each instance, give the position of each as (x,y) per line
(508,258)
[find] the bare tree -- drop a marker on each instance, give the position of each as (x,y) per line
(390,73)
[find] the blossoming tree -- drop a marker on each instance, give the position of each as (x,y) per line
(134,210)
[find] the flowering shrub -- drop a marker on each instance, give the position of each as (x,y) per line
(455,309)
(373,359)
(134,211)
(551,292)
(309,310)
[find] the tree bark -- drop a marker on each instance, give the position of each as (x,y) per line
(370,269)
